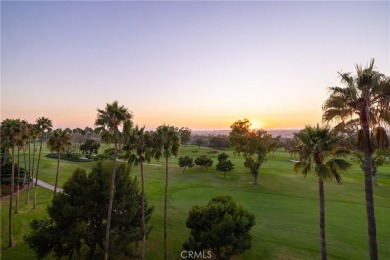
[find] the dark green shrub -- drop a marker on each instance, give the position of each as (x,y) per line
(90,147)
(6,172)
(204,161)
(224,165)
(73,157)
(186,161)
(221,227)
(75,227)
(103,157)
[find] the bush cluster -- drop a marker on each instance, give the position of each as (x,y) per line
(73,157)
(6,172)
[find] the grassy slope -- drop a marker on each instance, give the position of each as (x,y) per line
(285,205)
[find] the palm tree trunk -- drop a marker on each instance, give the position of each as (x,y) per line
(165,209)
(368,151)
(58,167)
(32,169)
(37,174)
(370,207)
(110,202)
(5,156)
(10,239)
(143,209)
(25,165)
(17,185)
(29,173)
(322,218)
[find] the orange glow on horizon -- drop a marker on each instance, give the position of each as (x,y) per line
(255,124)
(198,121)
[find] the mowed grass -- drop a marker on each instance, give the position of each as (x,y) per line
(285,204)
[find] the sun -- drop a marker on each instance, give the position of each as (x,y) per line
(256,124)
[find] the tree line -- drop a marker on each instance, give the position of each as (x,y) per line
(224,165)
(361,110)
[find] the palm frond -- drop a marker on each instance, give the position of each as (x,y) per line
(380,138)
(361,140)
(338,164)
(346,78)
(303,166)
(322,171)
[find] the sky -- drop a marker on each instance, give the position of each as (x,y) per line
(201,65)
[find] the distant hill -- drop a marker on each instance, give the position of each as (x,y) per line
(285,133)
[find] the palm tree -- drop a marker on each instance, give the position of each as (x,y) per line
(139,147)
(365,103)
(10,132)
(59,142)
(316,145)
(33,134)
(167,141)
(107,123)
(43,124)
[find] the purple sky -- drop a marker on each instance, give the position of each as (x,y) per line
(198,64)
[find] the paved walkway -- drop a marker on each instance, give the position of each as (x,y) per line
(152,164)
(51,187)
(47,185)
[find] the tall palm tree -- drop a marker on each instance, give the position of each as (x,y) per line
(108,123)
(365,103)
(10,132)
(59,142)
(167,141)
(316,146)
(43,124)
(139,146)
(33,134)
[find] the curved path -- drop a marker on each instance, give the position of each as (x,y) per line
(51,187)
(47,185)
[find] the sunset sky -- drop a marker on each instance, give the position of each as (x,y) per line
(202,65)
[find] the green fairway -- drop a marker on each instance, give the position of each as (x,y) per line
(285,204)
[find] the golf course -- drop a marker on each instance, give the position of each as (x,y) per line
(167,130)
(285,205)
